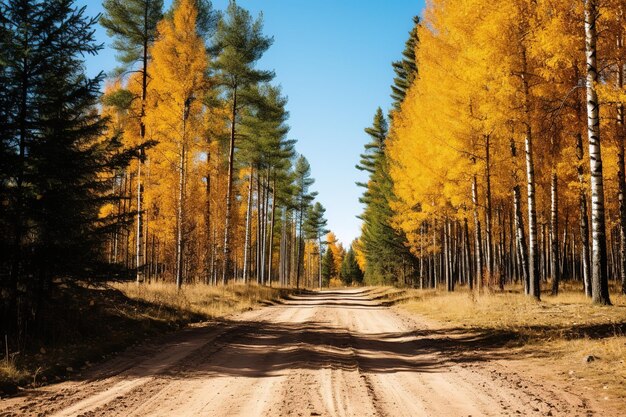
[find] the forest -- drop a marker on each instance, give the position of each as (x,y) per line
(178,167)
(164,249)
(503,162)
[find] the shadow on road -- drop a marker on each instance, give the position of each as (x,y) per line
(270,348)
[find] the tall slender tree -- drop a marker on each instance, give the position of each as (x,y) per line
(383,246)
(303,181)
(180,64)
(133,25)
(599,269)
(240,43)
(406,68)
(315,229)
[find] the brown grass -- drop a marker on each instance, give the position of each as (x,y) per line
(556,335)
(198,299)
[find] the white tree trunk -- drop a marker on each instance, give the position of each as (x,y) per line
(599,273)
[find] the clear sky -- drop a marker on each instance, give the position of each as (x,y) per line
(333,60)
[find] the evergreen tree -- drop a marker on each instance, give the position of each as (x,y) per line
(60,162)
(240,43)
(383,246)
(329,271)
(350,272)
(315,228)
(303,181)
(406,68)
(133,25)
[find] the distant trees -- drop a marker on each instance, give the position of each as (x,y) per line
(329,270)
(350,273)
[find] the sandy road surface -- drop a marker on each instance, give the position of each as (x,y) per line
(335,353)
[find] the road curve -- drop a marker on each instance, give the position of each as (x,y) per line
(330,353)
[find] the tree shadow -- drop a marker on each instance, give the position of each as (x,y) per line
(258,349)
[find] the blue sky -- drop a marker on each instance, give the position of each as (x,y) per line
(333,60)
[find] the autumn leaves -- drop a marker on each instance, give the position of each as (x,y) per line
(497,107)
(220,194)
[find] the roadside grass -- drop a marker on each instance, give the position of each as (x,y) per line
(203,300)
(87,323)
(564,337)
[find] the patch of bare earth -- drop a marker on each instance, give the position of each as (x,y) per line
(333,353)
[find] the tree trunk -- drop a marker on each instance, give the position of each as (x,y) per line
(258,227)
(521,238)
(554,235)
(300,242)
(271,239)
(488,212)
(479,251)
(229,191)
(180,214)
(533,250)
(142,139)
(620,160)
(584,219)
(207,216)
(599,273)
(468,266)
(246,247)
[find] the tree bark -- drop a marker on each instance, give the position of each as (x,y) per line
(521,239)
(599,272)
(489,259)
(271,238)
(479,252)
(229,191)
(533,254)
(142,138)
(468,263)
(620,160)
(180,217)
(554,234)
(246,247)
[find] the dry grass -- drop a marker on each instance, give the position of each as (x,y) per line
(90,322)
(198,299)
(556,335)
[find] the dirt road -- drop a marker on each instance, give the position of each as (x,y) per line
(335,353)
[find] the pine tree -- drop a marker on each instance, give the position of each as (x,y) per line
(315,228)
(329,271)
(133,24)
(350,272)
(303,181)
(60,162)
(383,246)
(406,68)
(240,44)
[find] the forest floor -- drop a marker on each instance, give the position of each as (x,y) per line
(330,353)
(87,323)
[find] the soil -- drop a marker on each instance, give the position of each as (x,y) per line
(329,353)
